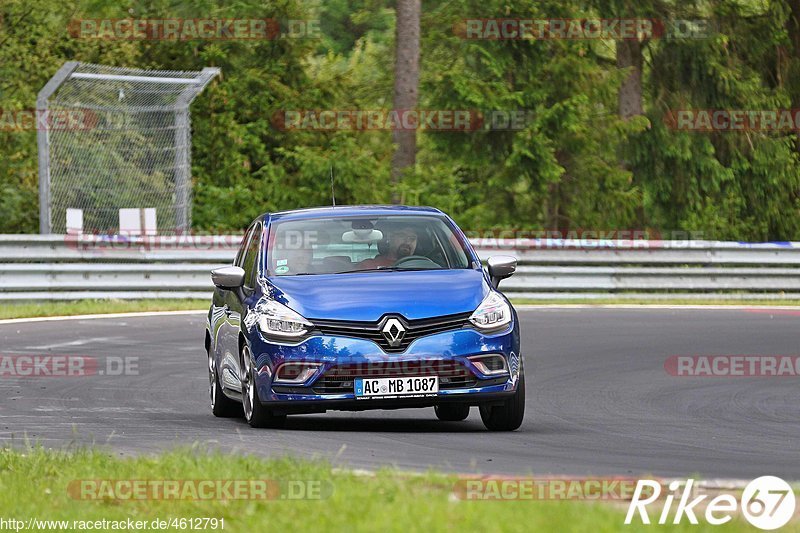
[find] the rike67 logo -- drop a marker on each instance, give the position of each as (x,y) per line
(767,503)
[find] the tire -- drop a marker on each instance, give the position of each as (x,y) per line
(221,405)
(452,412)
(509,415)
(255,413)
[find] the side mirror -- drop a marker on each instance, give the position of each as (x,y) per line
(229,277)
(501,267)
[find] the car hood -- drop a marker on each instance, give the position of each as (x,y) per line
(367,296)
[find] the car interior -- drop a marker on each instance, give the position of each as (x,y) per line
(341,246)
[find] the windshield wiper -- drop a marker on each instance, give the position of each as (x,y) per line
(384,269)
(373,269)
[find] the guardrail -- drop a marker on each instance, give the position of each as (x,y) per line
(51,267)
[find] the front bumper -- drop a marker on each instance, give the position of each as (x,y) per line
(432,353)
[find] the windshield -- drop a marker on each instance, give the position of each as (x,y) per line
(354,244)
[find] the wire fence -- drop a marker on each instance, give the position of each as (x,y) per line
(120,157)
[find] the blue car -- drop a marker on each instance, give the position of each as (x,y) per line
(363,307)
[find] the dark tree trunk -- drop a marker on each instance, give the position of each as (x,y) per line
(629,56)
(793,28)
(791,78)
(406,88)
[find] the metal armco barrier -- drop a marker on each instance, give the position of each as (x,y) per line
(58,267)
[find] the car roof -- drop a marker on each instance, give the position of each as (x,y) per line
(352,210)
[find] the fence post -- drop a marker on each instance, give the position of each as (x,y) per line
(183,152)
(43,142)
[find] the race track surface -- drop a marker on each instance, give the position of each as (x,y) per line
(599,400)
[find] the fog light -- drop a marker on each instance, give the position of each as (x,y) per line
(490,365)
(295,373)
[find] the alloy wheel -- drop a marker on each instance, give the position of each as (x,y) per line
(212,379)
(249,388)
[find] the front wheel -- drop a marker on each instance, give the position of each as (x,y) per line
(452,412)
(254,412)
(221,405)
(508,415)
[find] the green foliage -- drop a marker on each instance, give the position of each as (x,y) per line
(731,185)
(573,165)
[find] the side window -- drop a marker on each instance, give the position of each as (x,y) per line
(250,262)
(239,261)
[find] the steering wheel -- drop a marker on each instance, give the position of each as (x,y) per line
(409,258)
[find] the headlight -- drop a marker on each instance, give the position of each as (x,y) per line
(493,313)
(277,320)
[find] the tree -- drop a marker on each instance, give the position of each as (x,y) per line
(629,57)
(406,88)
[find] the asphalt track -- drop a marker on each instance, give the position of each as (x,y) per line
(599,400)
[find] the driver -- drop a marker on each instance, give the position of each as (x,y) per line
(402,243)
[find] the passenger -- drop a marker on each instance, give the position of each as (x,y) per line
(294,261)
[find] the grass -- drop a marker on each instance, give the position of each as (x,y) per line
(27,309)
(34,484)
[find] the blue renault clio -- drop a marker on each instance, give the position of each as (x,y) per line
(363,307)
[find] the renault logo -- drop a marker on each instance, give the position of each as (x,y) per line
(393,331)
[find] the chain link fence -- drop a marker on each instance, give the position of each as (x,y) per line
(115,149)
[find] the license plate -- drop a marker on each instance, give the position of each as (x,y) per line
(396,387)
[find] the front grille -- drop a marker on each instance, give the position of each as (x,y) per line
(372,330)
(339,379)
